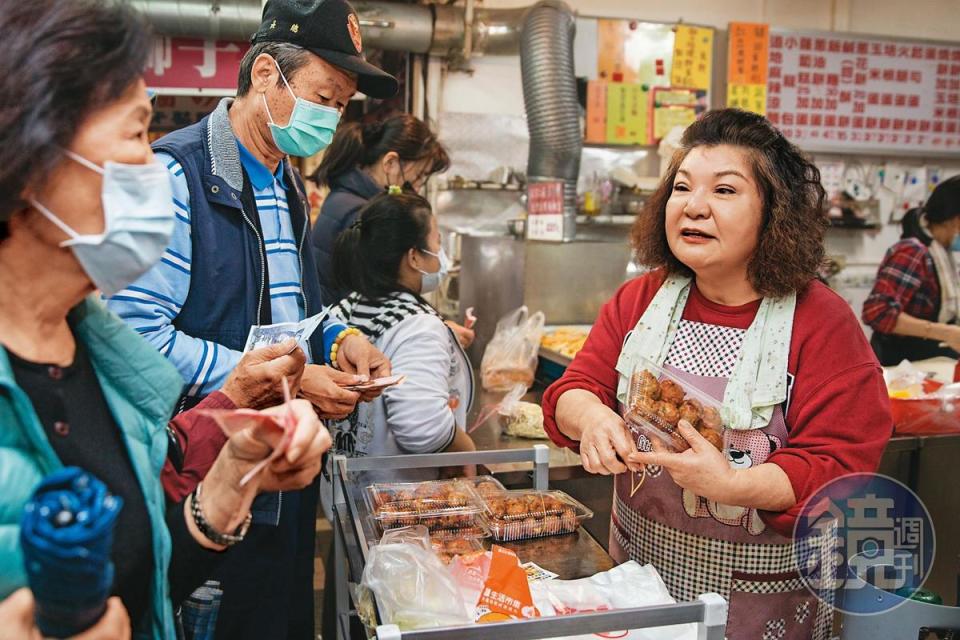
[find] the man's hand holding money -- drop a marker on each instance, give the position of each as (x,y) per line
(255,383)
(323,386)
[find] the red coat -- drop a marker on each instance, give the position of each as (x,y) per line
(200,440)
(837,412)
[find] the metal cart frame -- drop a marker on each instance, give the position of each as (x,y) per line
(709,611)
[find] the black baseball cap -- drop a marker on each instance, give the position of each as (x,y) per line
(331,30)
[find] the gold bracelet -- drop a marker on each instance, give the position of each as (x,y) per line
(335,349)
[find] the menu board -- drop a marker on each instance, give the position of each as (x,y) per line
(692,57)
(747,60)
(864,94)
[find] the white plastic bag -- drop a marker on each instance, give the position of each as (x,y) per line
(625,586)
(511,356)
(521,419)
(414,589)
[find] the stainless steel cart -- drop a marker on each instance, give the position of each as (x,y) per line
(353,534)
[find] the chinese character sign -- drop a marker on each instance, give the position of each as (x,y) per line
(863,94)
(692,57)
(545,211)
(188,63)
(861,533)
(747,63)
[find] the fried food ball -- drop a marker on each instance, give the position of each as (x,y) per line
(534,502)
(515,507)
(427,491)
(668,413)
(488,488)
(711,419)
(645,385)
(551,504)
(402,496)
(497,507)
(692,411)
(646,406)
(671,392)
(713,437)
(568,519)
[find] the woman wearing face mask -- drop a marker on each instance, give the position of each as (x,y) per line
(915,303)
(735,235)
(388,258)
(84,206)
(364,160)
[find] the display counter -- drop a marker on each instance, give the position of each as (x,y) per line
(571,556)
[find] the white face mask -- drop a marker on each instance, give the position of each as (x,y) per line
(138,222)
(431,281)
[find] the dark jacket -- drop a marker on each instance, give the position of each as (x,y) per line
(348,193)
(267,580)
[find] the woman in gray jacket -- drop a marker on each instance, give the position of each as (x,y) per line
(387,259)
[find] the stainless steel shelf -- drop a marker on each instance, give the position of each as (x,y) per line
(353,535)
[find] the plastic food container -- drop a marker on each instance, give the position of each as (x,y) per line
(656,402)
(448,549)
(518,515)
(484,485)
(448,508)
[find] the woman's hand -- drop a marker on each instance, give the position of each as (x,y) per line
(225,503)
(256,380)
(605,442)
(464,335)
(702,469)
(17,623)
(323,386)
(356,355)
(950,335)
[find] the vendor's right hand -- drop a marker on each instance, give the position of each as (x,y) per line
(322,386)
(603,440)
(17,620)
(256,380)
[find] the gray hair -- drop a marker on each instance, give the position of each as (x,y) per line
(290,57)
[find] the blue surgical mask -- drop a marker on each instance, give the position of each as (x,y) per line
(138,222)
(310,129)
(431,281)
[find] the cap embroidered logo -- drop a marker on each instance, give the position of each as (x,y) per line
(353,26)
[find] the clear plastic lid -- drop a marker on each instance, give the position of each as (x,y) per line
(485,485)
(657,401)
(517,515)
(450,506)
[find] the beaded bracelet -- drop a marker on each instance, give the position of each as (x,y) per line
(334,350)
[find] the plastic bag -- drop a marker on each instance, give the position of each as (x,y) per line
(519,418)
(626,586)
(414,589)
(511,356)
(904,381)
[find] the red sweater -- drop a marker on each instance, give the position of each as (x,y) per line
(200,440)
(838,412)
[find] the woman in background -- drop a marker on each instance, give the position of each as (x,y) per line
(388,258)
(362,162)
(915,303)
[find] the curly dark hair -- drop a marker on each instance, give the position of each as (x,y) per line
(64,60)
(790,249)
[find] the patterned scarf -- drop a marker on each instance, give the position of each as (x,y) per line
(375,317)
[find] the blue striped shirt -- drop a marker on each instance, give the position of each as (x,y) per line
(151,304)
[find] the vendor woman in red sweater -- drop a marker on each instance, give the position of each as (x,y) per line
(734,234)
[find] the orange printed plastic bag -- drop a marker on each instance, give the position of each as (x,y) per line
(506,593)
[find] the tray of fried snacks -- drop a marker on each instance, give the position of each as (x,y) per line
(521,514)
(657,401)
(450,506)
(485,485)
(448,549)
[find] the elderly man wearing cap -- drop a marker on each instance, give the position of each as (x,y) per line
(241,256)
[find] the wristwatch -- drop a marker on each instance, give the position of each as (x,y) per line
(208,531)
